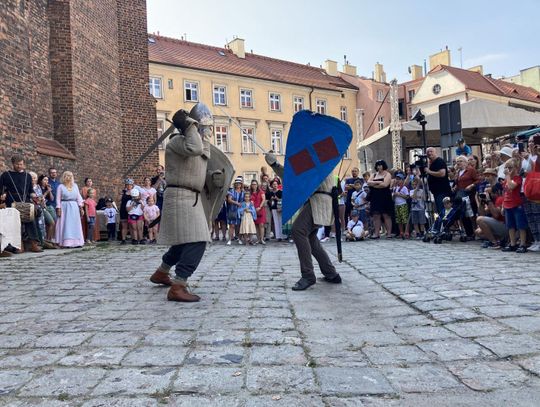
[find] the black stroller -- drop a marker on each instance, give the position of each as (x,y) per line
(441,228)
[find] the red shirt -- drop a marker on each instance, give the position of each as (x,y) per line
(90,207)
(499,203)
(512,197)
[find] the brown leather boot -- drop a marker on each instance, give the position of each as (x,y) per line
(179,292)
(34,247)
(160,277)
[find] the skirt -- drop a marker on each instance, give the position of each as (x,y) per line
(247,226)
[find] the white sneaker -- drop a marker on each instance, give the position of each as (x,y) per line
(325,239)
(262,242)
(228,242)
(332,235)
(240,242)
(535,247)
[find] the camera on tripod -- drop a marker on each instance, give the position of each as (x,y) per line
(421,162)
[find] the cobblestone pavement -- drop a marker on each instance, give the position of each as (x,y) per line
(413,324)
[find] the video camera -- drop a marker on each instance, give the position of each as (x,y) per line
(421,162)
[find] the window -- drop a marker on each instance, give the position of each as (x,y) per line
(220,95)
(381,122)
(248,146)
(347,154)
(380,95)
(411,94)
(401,108)
(222,138)
(275,102)
(276,140)
(155,87)
(250,176)
(246,98)
(321,106)
(191,91)
(170,84)
(343,113)
(298,103)
(160,130)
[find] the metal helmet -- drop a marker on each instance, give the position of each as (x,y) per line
(202,114)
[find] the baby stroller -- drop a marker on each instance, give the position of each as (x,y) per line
(441,228)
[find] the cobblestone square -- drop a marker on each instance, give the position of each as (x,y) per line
(413,324)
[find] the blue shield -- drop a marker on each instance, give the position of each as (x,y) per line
(315,145)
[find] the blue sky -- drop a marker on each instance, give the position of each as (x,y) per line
(501,35)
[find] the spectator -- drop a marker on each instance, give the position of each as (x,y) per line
(258,197)
(474,162)
(248,215)
(418,207)
(359,200)
(220,223)
(400,193)
(88,184)
(235,198)
(349,189)
(151,213)
(514,214)
(159,184)
(381,204)
(148,191)
(465,188)
(505,154)
(491,223)
(110,213)
(54,183)
(437,177)
(90,211)
(49,212)
(355,228)
(38,205)
(135,208)
(532,209)
(342,197)
(273,196)
(463,148)
(69,210)
(268,214)
(124,198)
(17,185)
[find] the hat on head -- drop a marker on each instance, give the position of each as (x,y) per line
(400,175)
(490,171)
(460,140)
(239,180)
(129,181)
(354,213)
(506,151)
(135,193)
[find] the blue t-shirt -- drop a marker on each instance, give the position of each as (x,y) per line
(466,150)
(54,186)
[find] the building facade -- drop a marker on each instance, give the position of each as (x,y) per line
(248,94)
(74,90)
(527,77)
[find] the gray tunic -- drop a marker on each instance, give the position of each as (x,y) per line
(186,159)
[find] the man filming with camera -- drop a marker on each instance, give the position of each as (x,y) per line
(491,226)
(437,176)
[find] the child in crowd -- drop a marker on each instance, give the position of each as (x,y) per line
(151,213)
(418,207)
(514,213)
(110,213)
(400,193)
(247,226)
(90,210)
(355,228)
(358,199)
(135,217)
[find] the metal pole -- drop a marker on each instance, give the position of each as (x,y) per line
(242,130)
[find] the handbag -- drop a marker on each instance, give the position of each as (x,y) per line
(531,187)
(26,210)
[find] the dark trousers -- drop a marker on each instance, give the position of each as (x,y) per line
(304,234)
(185,257)
(111,231)
(438,198)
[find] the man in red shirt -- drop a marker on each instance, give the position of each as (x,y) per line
(514,213)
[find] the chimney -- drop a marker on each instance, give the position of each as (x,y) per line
(416,72)
(237,47)
(380,75)
(440,58)
(477,68)
(349,69)
(331,67)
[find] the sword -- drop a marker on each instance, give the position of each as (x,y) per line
(242,130)
(167,133)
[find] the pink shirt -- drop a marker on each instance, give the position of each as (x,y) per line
(151,212)
(90,207)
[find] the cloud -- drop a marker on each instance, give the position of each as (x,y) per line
(484,59)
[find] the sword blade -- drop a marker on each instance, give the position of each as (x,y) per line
(242,130)
(152,147)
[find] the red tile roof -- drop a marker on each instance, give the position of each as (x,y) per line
(481,83)
(170,51)
(53,148)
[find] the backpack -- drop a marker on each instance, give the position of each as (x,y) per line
(531,188)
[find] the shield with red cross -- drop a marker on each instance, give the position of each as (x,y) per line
(315,145)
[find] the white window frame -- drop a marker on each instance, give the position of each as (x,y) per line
(250,176)
(411,93)
(248,146)
(347,154)
(170,83)
(191,88)
(160,130)
(220,91)
(320,105)
(155,83)
(380,121)
(220,131)
(298,103)
(274,101)
(276,135)
(243,97)
(344,116)
(380,95)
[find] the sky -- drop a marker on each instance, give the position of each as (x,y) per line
(498,34)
